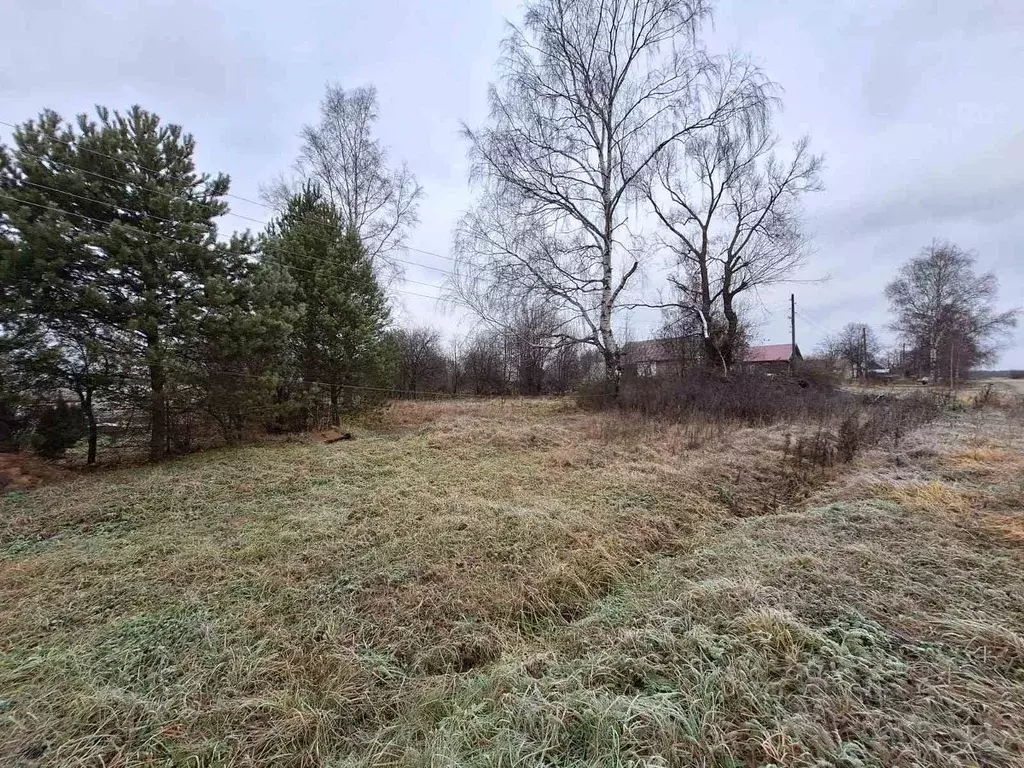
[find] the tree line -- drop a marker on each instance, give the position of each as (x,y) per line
(614,138)
(121,295)
(120,289)
(124,309)
(944,316)
(520,359)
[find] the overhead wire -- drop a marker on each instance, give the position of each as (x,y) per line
(651,328)
(169,221)
(805,318)
(160,192)
(226,213)
(184,242)
(178,241)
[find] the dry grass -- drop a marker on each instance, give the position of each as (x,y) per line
(520,583)
(932,497)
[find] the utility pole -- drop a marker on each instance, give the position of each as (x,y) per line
(792,332)
(864,352)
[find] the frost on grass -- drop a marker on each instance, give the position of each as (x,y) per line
(812,649)
(522,584)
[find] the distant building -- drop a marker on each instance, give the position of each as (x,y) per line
(881,374)
(772,358)
(659,357)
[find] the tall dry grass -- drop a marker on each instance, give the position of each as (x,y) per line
(519,583)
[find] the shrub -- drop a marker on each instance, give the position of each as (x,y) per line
(848,440)
(1017,374)
(748,399)
(984,397)
(58,428)
(844,423)
(820,373)
(870,421)
(594,396)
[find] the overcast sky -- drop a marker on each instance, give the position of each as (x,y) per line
(916,106)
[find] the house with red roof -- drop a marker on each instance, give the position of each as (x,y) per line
(660,357)
(772,358)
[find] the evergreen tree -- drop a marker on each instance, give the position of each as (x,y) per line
(241,356)
(339,334)
(110,235)
(54,309)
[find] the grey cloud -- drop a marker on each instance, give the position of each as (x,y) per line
(932,205)
(914,105)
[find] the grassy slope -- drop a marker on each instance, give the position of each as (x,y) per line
(521,584)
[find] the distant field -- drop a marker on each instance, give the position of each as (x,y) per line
(518,583)
(1005,386)
(1016,385)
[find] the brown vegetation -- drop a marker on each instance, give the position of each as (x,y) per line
(523,582)
(19,472)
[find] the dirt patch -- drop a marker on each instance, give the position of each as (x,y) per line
(331,436)
(19,472)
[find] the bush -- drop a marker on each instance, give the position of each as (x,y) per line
(844,423)
(1017,374)
(58,428)
(870,421)
(748,399)
(819,373)
(595,396)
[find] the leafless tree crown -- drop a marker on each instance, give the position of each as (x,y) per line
(352,167)
(942,307)
(729,209)
(590,94)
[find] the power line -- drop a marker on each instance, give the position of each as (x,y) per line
(157,173)
(140,166)
(184,242)
(170,221)
(158,192)
(97,202)
(170,196)
(650,328)
(803,317)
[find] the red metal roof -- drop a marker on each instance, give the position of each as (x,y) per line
(659,350)
(769,353)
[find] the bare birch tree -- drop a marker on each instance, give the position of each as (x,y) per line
(729,208)
(590,93)
(857,345)
(351,166)
(946,311)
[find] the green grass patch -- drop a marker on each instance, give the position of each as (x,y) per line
(500,586)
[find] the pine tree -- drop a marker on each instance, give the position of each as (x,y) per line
(338,339)
(54,308)
(241,357)
(110,236)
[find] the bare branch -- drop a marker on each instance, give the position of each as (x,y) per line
(591,94)
(342,155)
